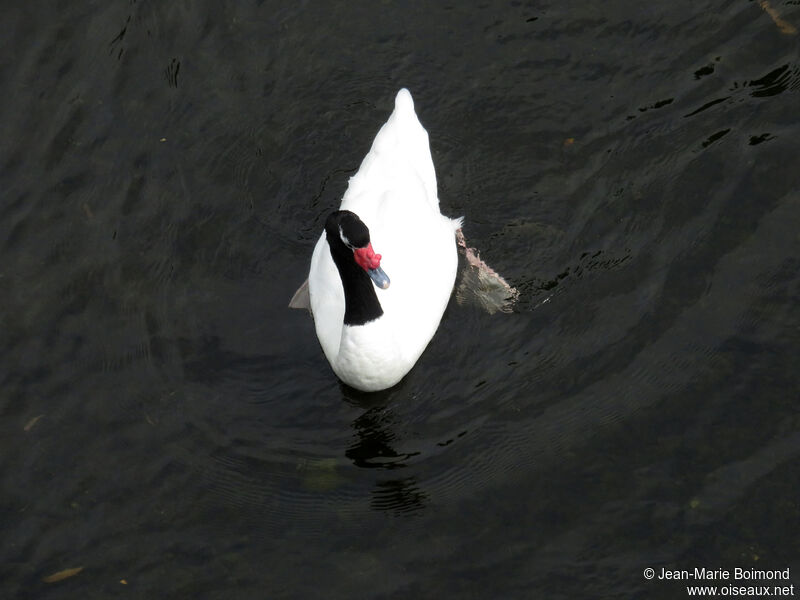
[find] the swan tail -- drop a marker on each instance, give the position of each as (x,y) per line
(403,103)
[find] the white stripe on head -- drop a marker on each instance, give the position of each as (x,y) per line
(344,239)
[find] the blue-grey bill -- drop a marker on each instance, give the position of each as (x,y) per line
(379,277)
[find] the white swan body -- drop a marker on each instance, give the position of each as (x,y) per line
(394,195)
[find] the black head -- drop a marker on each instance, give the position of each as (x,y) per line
(348,228)
(358,265)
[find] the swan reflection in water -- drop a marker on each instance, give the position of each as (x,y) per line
(374,447)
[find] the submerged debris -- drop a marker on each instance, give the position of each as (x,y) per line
(59,575)
(784,26)
(29,425)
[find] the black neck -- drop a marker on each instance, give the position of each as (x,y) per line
(361,304)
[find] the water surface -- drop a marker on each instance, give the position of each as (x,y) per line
(169,425)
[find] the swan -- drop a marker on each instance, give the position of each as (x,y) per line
(384,267)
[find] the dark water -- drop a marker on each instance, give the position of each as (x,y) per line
(171,427)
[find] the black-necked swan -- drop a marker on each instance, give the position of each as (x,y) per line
(371,332)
